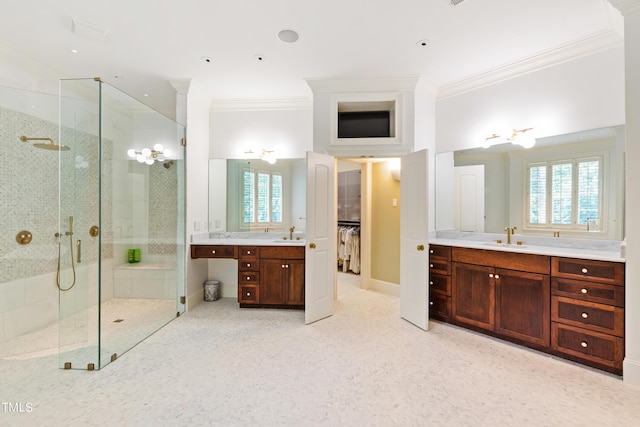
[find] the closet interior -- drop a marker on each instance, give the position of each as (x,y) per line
(349,214)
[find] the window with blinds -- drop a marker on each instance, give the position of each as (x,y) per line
(262,198)
(565,194)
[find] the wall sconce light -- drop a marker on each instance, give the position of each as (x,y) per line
(266,155)
(515,136)
(148,155)
(394,169)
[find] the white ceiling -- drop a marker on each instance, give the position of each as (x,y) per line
(152,42)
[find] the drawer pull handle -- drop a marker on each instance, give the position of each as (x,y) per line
(431,265)
(584,270)
(430,251)
(248,294)
(248,264)
(430,283)
(497,276)
(248,252)
(491,275)
(248,277)
(584,344)
(213,251)
(585,315)
(430,302)
(584,290)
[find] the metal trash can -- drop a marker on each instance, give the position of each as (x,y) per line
(212,290)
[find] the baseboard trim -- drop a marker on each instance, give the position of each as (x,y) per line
(384,287)
(195,299)
(631,371)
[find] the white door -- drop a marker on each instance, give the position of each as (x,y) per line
(469,198)
(414,229)
(320,261)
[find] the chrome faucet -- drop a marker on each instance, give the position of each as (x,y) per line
(291,232)
(510,231)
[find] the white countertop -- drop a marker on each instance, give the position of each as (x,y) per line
(251,242)
(573,252)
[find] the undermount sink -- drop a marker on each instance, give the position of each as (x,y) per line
(505,245)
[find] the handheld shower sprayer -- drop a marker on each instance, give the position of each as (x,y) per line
(73,266)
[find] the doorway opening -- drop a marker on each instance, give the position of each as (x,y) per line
(368,215)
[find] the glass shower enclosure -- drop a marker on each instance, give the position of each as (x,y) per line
(98,217)
(121,223)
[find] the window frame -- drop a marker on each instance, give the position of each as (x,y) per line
(602,157)
(256,208)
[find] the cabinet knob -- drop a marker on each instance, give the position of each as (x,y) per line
(430,283)
(248,252)
(248,277)
(430,302)
(430,251)
(584,344)
(248,264)
(282,265)
(584,270)
(430,265)
(491,275)
(584,290)
(213,251)
(584,315)
(497,276)
(248,294)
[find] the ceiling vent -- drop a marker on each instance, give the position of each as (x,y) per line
(89,30)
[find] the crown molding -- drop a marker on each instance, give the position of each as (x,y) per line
(596,42)
(626,7)
(261,104)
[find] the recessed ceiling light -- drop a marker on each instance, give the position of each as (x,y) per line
(146,95)
(74,50)
(205,59)
(422,43)
(288,36)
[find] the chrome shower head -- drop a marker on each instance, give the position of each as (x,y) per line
(51,145)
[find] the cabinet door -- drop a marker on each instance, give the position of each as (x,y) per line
(473,295)
(294,282)
(523,306)
(272,281)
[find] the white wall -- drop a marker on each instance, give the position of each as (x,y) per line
(286,132)
(585,93)
(631,365)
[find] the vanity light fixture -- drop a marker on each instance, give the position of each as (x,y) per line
(515,136)
(266,155)
(148,155)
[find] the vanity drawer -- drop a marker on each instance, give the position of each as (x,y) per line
(589,315)
(282,252)
(438,266)
(247,253)
(591,270)
(248,265)
(248,294)
(437,251)
(589,345)
(439,306)
(214,251)
(440,283)
(588,291)
(248,277)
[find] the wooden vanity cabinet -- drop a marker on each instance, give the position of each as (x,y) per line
(282,276)
(214,251)
(504,293)
(440,282)
(588,312)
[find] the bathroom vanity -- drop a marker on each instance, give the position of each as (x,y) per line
(270,272)
(571,307)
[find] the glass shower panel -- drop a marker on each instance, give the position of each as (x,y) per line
(124,188)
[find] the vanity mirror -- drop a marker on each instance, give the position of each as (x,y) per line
(572,183)
(253,195)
